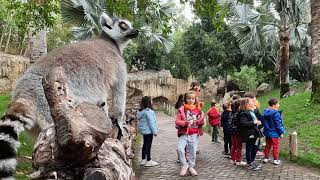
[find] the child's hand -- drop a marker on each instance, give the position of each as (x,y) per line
(190,123)
(281,136)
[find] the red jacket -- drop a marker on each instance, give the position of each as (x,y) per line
(214,116)
(182,123)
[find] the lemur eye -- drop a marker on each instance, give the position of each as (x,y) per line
(123,26)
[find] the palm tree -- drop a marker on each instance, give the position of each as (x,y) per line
(270,29)
(152,17)
(315,50)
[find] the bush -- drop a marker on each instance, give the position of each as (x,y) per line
(246,79)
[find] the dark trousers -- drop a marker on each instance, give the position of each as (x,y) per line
(214,133)
(146,148)
(227,143)
(251,150)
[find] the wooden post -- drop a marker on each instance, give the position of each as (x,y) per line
(293,143)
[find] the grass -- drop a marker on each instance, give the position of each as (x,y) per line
(24,166)
(303,118)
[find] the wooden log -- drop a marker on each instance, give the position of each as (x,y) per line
(80,128)
(293,143)
(82,143)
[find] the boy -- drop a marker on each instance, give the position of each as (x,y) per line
(273,129)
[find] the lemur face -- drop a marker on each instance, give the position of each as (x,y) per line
(119,30)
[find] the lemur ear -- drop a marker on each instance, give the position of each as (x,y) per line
(106,21)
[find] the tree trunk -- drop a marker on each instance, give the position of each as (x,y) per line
(37,44)
(315,51)
(2,36)
(8,41)
(284,61)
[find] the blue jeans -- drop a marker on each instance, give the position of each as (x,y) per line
(191,141)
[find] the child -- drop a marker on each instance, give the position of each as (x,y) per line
(256,104)
(195,87)
(214,120)
(148,128)
(273,129)
(190,119)
(250,132)
(227,128)
(236,139)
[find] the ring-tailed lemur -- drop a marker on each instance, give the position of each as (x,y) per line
(94,69)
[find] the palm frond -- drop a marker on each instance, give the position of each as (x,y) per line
(73,12)
(82,33)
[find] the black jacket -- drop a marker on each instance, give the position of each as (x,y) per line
(248,130)
(226,122)
(235,120)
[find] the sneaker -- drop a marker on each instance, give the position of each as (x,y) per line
(277,162)
(218,142)
(265,160)
(151,163)
(259,153)
(183,171)
(258,165)
(253,167)
(241,163)
(143,162)
(193,171)
(250,167)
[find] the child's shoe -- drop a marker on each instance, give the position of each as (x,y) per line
(265,160)
(193,171)
(184,169)
(143,162)
(277,162)
(227,155)
(253,167)
(258,165)
(241,163)
(151,163)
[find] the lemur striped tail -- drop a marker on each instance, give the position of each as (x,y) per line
(11,124)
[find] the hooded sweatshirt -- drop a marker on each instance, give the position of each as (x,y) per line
(147,122)
(272,123)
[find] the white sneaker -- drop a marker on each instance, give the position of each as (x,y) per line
(241,163)
(265,160)
(151,163)
(277,162)
(143,162)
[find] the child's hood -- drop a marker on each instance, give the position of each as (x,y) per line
(140,114)
(269,112)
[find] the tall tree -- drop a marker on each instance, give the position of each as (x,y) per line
(315,34)
(276,23)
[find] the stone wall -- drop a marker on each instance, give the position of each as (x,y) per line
(11,68)
(160,85)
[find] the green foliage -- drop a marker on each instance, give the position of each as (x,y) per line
(151,17)
(59,35)
(247,78)
(302,119)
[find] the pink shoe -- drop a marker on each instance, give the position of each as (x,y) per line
(183,171)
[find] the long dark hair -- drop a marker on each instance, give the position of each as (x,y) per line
(145,103)
(180,101)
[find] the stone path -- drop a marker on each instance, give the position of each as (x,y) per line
(211,164)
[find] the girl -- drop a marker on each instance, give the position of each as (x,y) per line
(250,132)
(148,128)
(236,139)
(195,87)
(214,120)
(190,119)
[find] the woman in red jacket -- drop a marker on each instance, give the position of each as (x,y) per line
(214,120)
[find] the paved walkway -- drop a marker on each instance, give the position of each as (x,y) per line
(211,164)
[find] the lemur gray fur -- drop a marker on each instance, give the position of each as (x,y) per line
(95,70)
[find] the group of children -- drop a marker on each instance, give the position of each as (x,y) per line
(240,119)
(242,123)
